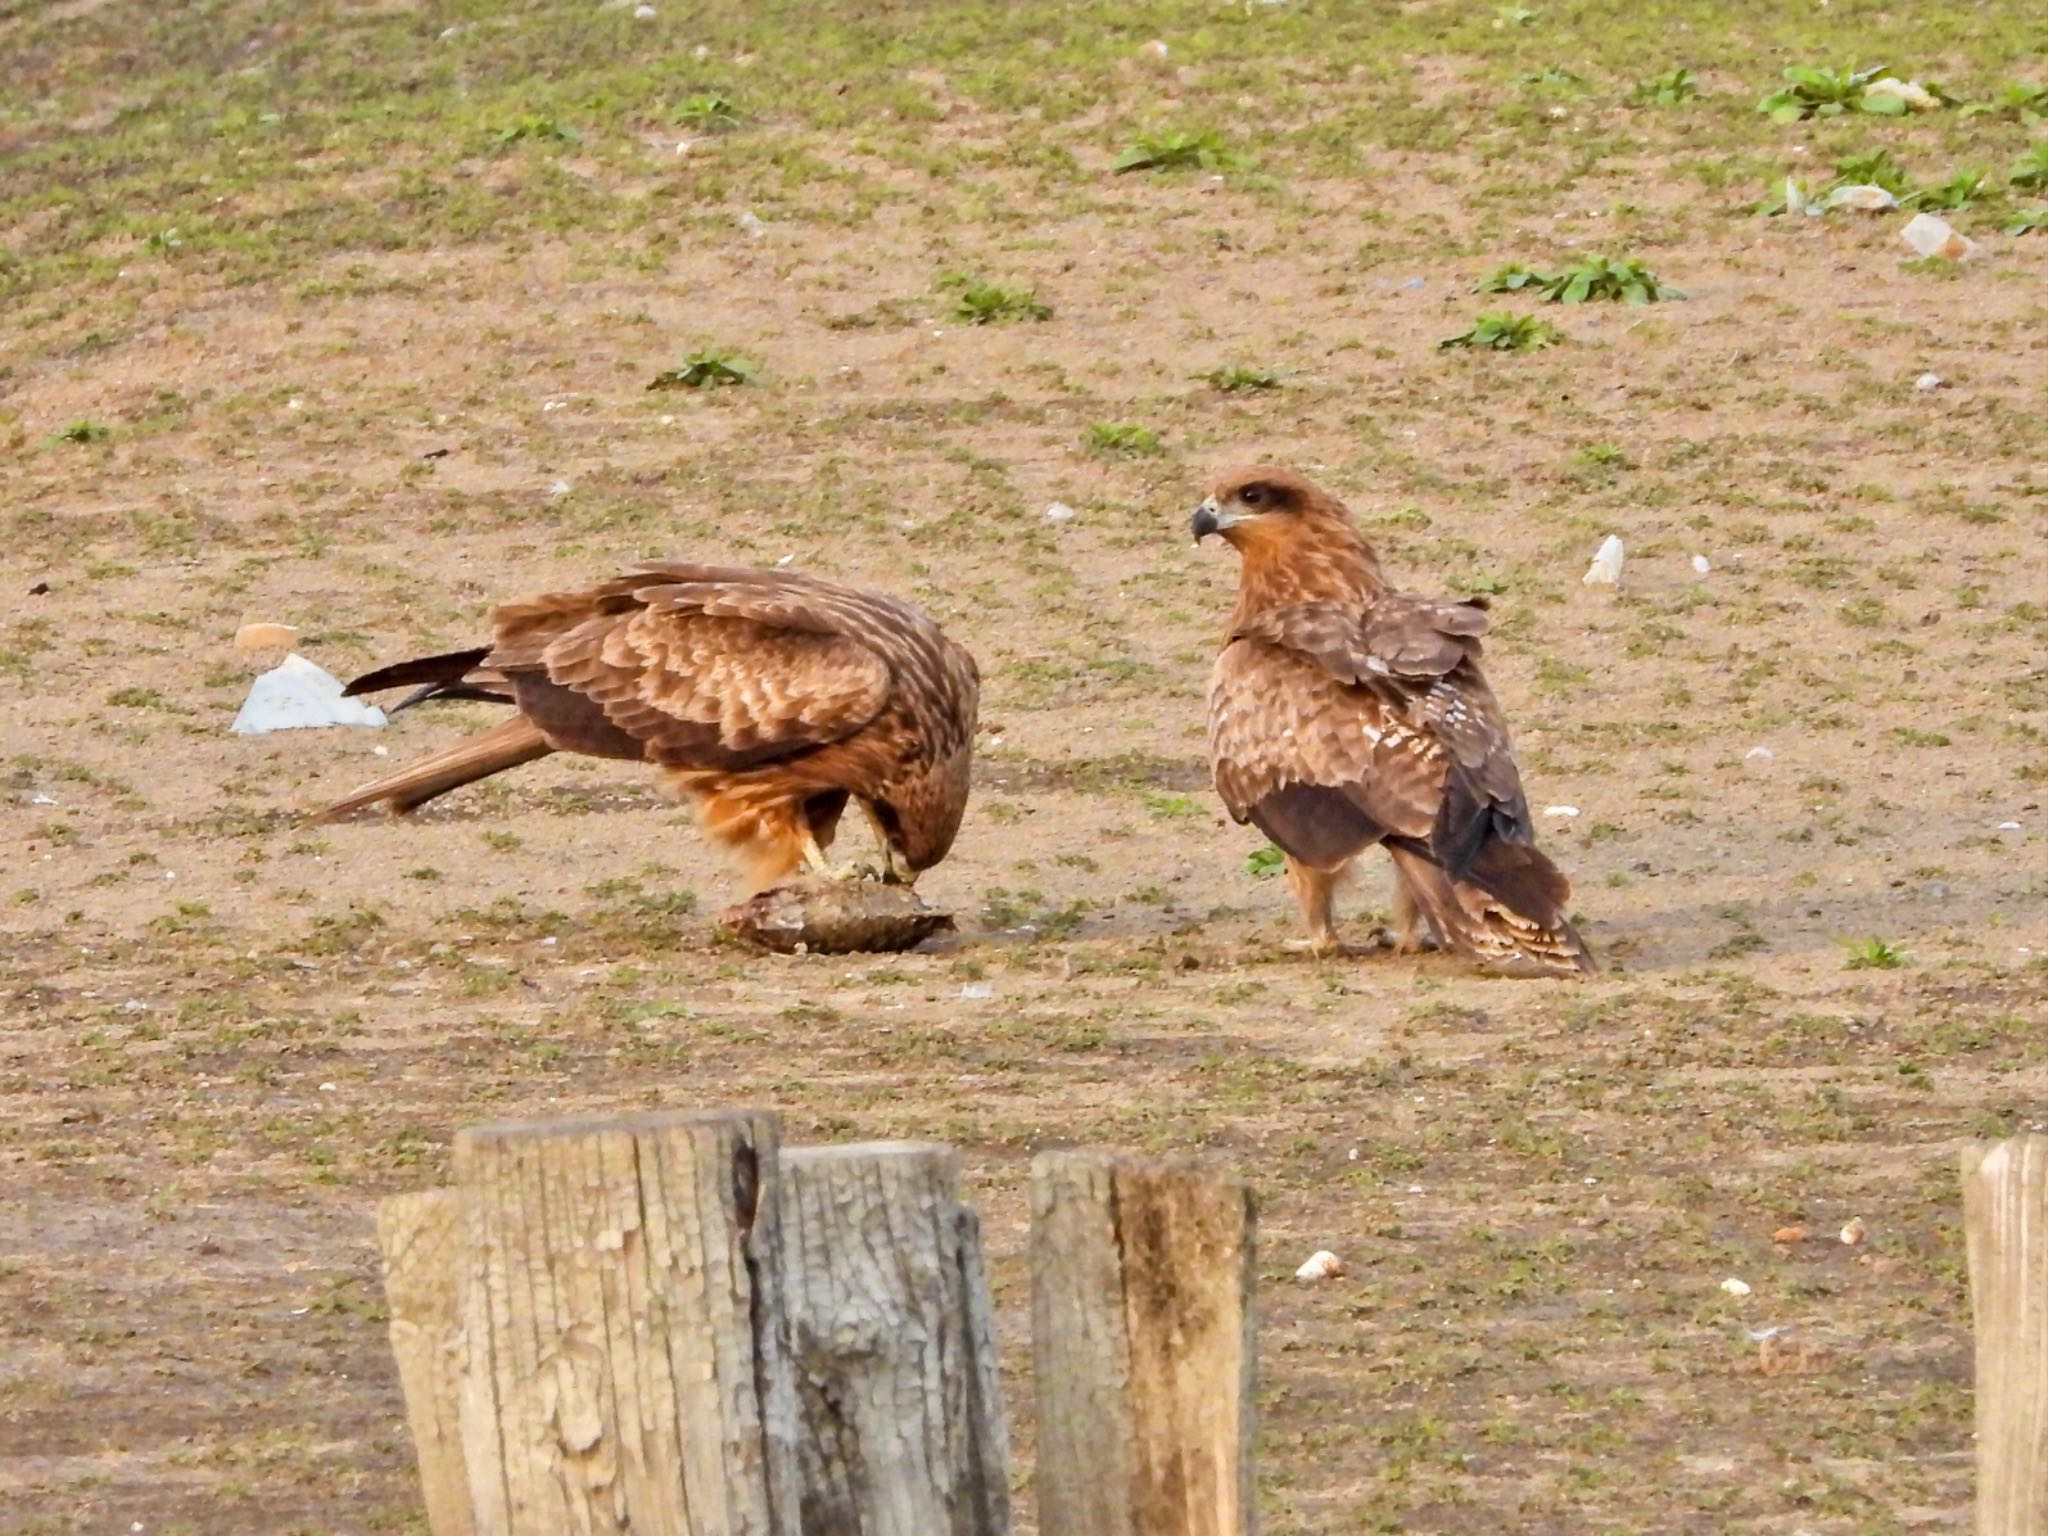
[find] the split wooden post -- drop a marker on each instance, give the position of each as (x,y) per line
(420,1238)
(619,1294)
(2005,1233)
(1142,1340)
(892,1334)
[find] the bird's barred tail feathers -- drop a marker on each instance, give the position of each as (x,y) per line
(1513,925)
(506,746)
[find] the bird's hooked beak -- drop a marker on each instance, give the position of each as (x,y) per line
(1210,518)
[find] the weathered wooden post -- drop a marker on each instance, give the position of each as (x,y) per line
(420,1236)
(900,1417)
(2005,1232)
(619,1296)
(1142,1339)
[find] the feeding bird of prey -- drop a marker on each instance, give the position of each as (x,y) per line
(768,699)
(1344,713)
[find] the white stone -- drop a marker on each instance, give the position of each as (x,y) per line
(297,695)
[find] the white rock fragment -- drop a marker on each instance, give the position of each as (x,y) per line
(1854,1231)
(1605,571)
(977,991)
(1560,810)
(1930,236)
(559,488)
(1156,49)
(643,13)
(1059,512)
(297,695)
(754,225)
(1321,1265)
(1915,95)
(2008,826)
(1758,755)
(1928,381)
(1861,197)
(1735,1287)
(1701,565)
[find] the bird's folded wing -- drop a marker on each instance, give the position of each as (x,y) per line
(1396,636)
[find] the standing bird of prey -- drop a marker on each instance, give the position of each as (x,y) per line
(1343,713)
(768,699)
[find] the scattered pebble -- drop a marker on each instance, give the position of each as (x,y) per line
(2008,826)
(1155,49)
(1929,381)
(1059,512)
(1735,1287)
(753,224)
(559,488)
(643,12)
(265,637)
(1789,1235)
(1560,810)
(1321,1265)
(1854,1231)
(1758,755)
(1701,564)
(977,991)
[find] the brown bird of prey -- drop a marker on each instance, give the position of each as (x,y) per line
(768,699)
(1344,713)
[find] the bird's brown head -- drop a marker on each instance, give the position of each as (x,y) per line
(1291,533)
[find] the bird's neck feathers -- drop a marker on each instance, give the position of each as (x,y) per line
(1317,558)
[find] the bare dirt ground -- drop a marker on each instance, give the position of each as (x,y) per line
(223,1038)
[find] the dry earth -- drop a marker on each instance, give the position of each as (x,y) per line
(223,1038)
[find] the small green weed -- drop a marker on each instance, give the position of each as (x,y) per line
(2031,169)
(1963,189)
(1873,955)
(2027,103)
(2032,221)
(1878,168)
(83,431)
(1505,16)
(1123,438)
(1264,863)
(163,242)
(1670,89)
(705,370)
(1235,379)
(539,128)
(706,112)
(1821,92)
(1177,149)
(1504,332)
(979,303)
(1592,280)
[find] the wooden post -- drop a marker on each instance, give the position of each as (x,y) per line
(893,1338)
(625,1370)
(2005,1233)
(1142,1337)
(419,1235)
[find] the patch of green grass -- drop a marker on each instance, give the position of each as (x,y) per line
(707,112)
(1874,955)
(1264,863)
(1669,89)
(536,127)
(2029,222)
(1126,438)
(2023,102)
(1177,149)
(1963,189)
(84,431)
(976,302)
(1235,379)
(706,370)
(1504,332)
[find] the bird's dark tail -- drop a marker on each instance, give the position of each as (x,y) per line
(457,675)
(507,746)
(1506,913)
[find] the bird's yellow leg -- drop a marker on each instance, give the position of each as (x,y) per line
(1316,892)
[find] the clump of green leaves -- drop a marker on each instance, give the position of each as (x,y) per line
(2027,103)
(1873,955)
(163,242)
(539,127)
(1504,332)
(981,303)
(1264,863)
(1556,74)
(1878,168)
(1513,16)
(1595,279)
(1125,438)
(1669,89)
(1963,189)
(2031,169)
(707,112)
(1177,149)
(1819,92)
(1236,379)
(83,431)
(705,370)
(2030,222)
